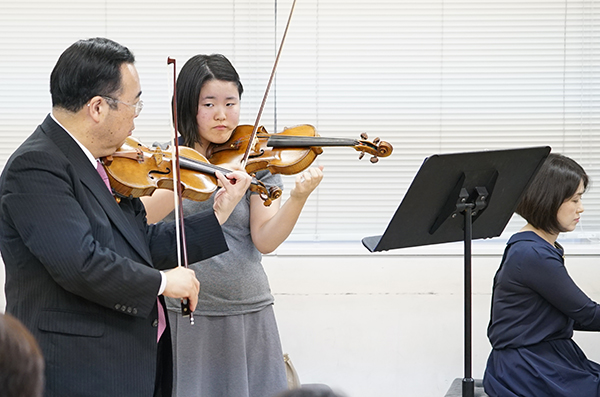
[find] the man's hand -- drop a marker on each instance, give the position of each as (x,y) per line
(234,187)
(182,283)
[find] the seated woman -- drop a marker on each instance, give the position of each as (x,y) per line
(535,304)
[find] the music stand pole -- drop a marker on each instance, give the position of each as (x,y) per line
(468,209)
(468,383)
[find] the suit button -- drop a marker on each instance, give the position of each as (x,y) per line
(117,306)
(129,310)
(123,308)
(155,323)
(134,310)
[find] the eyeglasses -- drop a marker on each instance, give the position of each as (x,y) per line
(136,106)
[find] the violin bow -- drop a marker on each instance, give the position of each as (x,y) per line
(178,197)
(264,100)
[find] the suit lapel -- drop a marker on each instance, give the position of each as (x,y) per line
(92,180)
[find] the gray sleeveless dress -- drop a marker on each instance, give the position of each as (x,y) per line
(234,347)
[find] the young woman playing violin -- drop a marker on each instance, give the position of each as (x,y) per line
(234,347)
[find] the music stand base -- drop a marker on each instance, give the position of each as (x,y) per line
(468,387)
(455,389)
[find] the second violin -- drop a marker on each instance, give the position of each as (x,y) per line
(288,152)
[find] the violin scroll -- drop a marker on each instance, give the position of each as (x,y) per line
(377,148)
(267,194)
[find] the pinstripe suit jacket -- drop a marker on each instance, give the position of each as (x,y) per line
(81,270)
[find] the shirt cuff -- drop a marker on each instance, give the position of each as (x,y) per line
(163,283)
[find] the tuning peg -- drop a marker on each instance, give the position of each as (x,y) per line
(376,141)
(361,155)
(374,159)
(364,136)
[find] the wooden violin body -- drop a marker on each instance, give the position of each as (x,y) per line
(136,170)
(288,152)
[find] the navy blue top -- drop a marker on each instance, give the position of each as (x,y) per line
(534,297)
(535,307)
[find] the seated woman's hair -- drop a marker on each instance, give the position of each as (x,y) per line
(557,180)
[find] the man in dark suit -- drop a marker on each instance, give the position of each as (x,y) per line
(83,270)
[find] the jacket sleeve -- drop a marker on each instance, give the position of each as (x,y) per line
(204,239)
(50,219)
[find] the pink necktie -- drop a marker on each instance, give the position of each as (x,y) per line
(102,172)
(162,322)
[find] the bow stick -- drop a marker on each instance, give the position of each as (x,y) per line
(252,139)
(179,224)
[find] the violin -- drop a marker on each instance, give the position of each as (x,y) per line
(288,152)
(135,170)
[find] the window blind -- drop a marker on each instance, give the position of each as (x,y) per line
(428,77)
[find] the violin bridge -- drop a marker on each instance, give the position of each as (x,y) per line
(158,156)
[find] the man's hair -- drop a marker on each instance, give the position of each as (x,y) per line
(21,360)
(556,181)
(192,77)
(88,68)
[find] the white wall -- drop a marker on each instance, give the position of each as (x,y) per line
(391,324)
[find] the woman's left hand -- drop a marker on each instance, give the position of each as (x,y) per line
(306,182)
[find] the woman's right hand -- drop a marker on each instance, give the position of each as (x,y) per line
(234,187)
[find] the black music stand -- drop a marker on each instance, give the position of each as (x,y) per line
(485,187)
